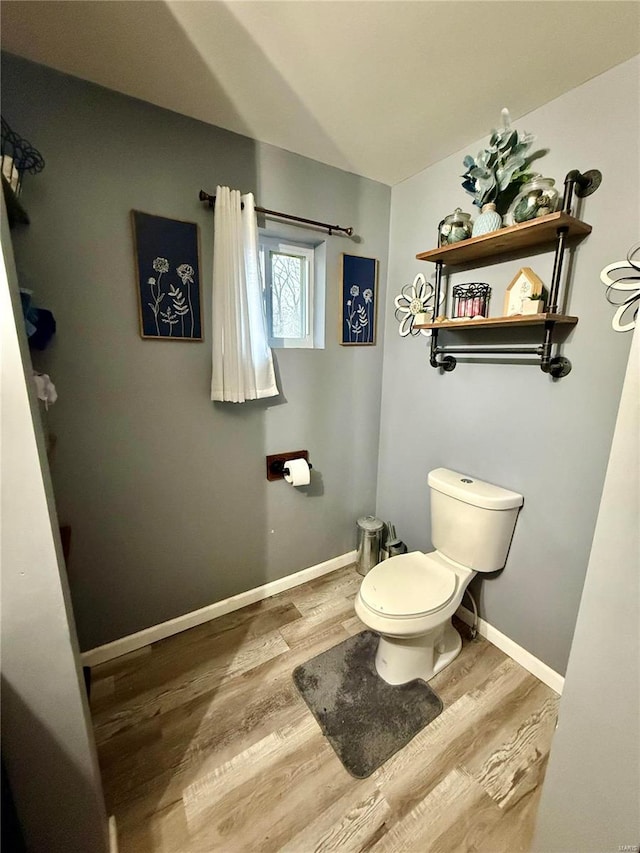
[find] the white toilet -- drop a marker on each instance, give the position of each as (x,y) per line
(410,599)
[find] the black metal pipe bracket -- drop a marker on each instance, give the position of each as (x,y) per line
(583,184)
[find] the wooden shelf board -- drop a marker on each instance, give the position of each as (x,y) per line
(497,322)
(514,238)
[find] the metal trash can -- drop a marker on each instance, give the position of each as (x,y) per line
(369,539)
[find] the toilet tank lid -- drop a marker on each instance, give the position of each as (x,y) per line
(472,491)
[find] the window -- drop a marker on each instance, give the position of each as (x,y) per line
(294,309)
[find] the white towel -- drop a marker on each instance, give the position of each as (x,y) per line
(45,388)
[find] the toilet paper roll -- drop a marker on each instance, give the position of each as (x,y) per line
(299,474)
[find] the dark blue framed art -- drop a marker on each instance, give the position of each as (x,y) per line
(359,300)
(168,270)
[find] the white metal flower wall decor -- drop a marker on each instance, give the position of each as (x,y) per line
(619,285)
(414,299)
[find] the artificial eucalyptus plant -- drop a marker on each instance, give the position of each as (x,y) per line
(499,170)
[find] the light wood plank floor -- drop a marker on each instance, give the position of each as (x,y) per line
(205,745)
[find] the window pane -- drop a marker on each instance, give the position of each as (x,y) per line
(288,295)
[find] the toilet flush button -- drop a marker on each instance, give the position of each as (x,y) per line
(465,480)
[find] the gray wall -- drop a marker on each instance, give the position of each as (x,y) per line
(165,491)
(47,740)
(596,756)
(509,423)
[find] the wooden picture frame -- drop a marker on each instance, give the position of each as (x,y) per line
(167,261)
(359,299)
(525,286)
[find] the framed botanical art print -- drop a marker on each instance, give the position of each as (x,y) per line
(167,262)
(359,292)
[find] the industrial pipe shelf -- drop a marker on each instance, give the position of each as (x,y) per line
(555,228)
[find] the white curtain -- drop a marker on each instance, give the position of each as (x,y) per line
(242,360)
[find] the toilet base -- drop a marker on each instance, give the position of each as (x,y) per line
(399,660)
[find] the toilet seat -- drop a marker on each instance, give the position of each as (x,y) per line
(408,586)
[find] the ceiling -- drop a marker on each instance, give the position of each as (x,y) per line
(383,88)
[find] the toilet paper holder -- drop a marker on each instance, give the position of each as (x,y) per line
(276,464)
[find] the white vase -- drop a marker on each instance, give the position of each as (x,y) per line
(489,220)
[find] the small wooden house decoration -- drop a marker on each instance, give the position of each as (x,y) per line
(524,294)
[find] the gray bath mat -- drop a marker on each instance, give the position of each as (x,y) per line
(364,719)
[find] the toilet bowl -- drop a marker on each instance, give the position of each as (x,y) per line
(410,599)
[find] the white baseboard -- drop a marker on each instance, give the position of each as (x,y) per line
(531,663)
(130,643)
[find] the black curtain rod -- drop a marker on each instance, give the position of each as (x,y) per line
(211,200)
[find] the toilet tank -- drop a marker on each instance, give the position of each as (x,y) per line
(472,522)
